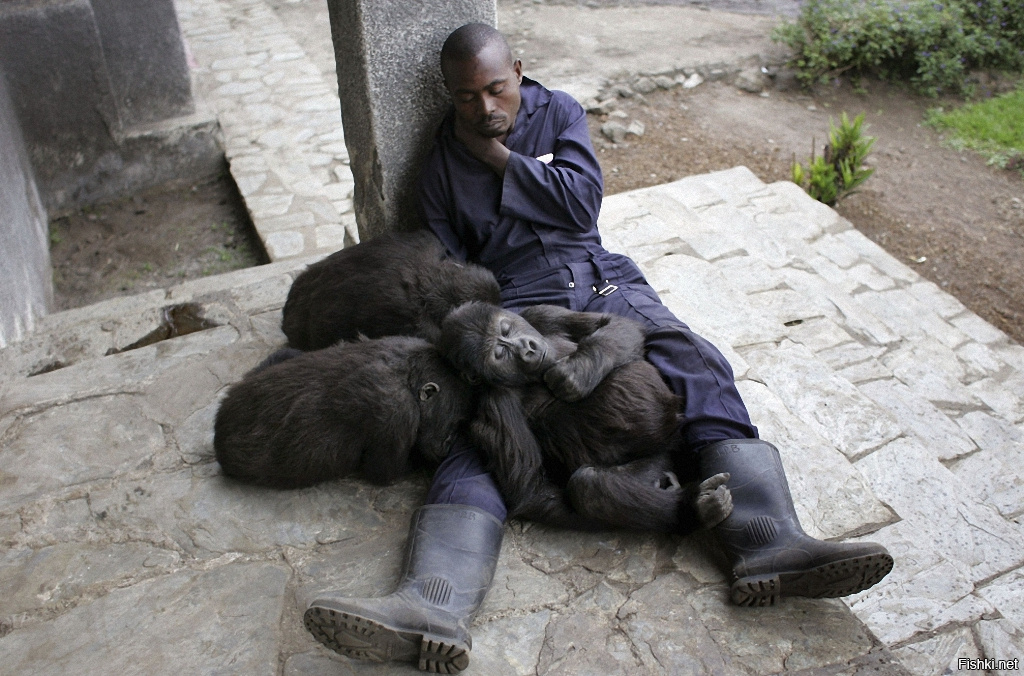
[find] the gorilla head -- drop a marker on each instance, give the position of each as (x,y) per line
(495,346)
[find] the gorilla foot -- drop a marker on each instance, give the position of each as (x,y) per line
(714,500)
(621,499)
(771,555)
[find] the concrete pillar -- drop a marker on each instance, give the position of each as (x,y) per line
(145,59)
(58,83)
(26,280)
(392,96)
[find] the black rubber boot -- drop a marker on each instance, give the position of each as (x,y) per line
(452,553)
(771,555)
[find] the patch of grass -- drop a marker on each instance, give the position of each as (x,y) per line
(994,127)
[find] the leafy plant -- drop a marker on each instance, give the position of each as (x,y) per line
(840,169)
(932,43)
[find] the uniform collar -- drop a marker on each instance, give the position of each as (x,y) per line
(533,96)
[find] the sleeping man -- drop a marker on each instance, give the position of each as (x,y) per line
(513,184)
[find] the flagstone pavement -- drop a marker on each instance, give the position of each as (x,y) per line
(899,413)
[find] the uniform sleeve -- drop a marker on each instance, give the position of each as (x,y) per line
(434,207)
(564,193)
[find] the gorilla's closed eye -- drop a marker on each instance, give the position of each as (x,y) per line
(429,390)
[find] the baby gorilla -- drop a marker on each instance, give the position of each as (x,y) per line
(573,408)
(301,418)
(392,285)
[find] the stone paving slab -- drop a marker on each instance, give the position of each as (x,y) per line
(900,398)
(281,124)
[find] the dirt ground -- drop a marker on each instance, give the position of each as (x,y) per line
(945,213)
(155,239)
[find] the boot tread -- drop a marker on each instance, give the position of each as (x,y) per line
(830,580)
(364,639)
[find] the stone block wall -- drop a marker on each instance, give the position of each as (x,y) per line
(102,89)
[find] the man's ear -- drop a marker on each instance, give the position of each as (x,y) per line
(518,68)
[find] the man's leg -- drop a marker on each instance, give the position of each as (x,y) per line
(452,553)
(771,555)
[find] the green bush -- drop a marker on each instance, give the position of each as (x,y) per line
(932,43)
(840,168)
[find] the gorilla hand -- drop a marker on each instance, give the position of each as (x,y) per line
(573,377)
(714,501)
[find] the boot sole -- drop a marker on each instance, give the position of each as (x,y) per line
(832,580)
(363,639)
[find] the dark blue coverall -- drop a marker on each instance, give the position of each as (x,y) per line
(536,230)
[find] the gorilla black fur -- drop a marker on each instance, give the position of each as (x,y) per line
(369,406)
(394,284)
(607,439)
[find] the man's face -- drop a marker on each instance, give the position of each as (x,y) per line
(485,90)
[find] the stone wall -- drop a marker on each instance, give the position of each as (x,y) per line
(26,284)
(102,91)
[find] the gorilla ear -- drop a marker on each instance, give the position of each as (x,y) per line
(429,390)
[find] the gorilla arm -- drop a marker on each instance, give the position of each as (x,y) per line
(502,432)
(603,342)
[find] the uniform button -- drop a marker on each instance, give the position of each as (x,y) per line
(572,285)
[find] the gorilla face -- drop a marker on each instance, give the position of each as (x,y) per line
(513,352)
(495,346)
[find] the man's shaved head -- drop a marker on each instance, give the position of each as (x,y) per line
(467,42)
(483,80)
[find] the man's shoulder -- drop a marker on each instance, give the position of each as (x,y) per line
(541,95)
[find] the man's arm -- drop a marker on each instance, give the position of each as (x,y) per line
(488,150)
(564,192)
(434,208)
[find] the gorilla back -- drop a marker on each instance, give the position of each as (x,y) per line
(395,284)
(363,406)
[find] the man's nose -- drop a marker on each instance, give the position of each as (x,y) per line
(490,104)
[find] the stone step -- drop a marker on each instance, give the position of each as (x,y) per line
(949,378)
(82,334)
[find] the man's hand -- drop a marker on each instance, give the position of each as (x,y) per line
(488,150)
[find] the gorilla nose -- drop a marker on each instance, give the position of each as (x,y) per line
(529,349)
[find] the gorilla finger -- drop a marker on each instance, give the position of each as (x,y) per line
(714,482)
